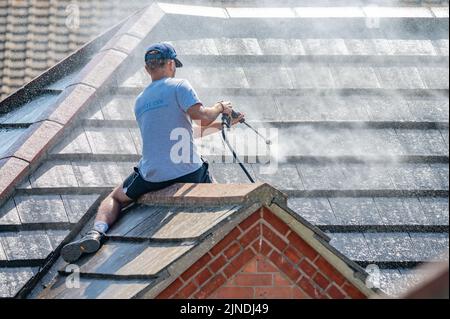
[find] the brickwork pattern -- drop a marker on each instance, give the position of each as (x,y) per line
(261,258)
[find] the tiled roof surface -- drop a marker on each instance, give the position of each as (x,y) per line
(362,115)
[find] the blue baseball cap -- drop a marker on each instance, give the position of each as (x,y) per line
(166,51)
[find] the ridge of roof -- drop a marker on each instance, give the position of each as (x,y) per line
(220,194)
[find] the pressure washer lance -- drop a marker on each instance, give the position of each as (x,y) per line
(235,115)
(226,123)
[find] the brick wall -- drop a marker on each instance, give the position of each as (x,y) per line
(261,258)
(259,278)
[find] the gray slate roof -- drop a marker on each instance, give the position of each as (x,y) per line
(362,115)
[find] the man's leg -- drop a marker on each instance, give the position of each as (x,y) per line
(107,214)
(110,208)
(133,187)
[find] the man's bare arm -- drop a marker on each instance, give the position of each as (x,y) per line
(205,118)
(215,127)
(206,115)
(202,131)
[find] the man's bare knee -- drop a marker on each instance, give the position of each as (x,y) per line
(118,195)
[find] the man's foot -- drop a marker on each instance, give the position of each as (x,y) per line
(89,243)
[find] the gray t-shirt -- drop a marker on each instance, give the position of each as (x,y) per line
(168,149)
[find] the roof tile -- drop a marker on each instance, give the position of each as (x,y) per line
(272,77)
(26,245)
(400,78)
(362,77)
(170,222)
(316,210)
(435,77)
(198,47)
(308,76)
(239,46)
(41,139)
(57,237)
(325,46)
(201,193)
(118,108)
(390,246)
(215,77)
(41,209)
(101,68)
(8,214)
(12,170)
(399,211)
(286,178)
(54,175)
(12,280)
(91,174)
(128,259)
(353,245)
(96,289)
(75,142)
(355,211)
(124,43)
(2,253)
(100,141)
(77,205)
(228,173)
(71,103)
(436,210)
(430,246)
(141,25)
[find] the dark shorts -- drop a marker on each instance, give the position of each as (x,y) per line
(134,185)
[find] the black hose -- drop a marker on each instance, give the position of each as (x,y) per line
(224,137)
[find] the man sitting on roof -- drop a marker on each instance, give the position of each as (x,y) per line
(164,111)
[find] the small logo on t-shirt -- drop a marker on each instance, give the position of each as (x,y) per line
(150,105)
